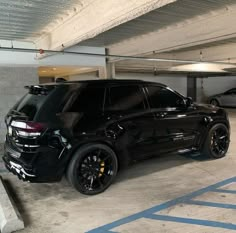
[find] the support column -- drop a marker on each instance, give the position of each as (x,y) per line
(192,87)
(107,72)
(111,72)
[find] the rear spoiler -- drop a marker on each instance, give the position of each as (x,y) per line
(39,90)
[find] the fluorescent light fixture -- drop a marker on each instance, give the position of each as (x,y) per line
(202,67)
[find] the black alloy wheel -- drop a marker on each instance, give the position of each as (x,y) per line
(93,169)
(217,143)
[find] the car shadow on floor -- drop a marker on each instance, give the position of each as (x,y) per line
(157,164)
(24,194)
(63,191)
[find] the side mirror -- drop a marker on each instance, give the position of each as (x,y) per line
(188,101)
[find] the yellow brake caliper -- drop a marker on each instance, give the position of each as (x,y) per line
(102,168)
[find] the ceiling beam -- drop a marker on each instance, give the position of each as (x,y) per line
(95,19)
(219,53)
(207,28)
(19,58)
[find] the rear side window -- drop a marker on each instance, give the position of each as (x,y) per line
(125,98)
(163,98)
(88,100)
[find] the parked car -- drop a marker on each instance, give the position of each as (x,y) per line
(226,99)
(88,130)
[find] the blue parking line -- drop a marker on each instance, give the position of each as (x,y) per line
(149,212)
(224,191)
(211,204)
(200,222)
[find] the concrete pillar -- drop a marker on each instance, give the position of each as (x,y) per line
(107,72)
(111,72)
(192,87)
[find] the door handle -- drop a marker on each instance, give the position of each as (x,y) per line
(161,114)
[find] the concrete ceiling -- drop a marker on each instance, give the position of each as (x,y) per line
(31,19)
(201,30)
(172,14)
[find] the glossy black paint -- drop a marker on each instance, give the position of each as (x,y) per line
(118,113)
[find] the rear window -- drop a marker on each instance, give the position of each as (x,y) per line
(29,105)
(41,103)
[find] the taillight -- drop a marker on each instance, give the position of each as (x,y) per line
(28,128)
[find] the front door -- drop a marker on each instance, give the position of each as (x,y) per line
(176,126)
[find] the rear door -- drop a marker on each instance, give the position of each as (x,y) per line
(176,126)
(130,119)
(83,112)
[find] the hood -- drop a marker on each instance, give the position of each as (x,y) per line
(206,106)
(217,95)
(210,109)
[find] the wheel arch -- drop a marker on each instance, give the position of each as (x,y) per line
(216,99)
(122,159)
(205,148)
(210,125)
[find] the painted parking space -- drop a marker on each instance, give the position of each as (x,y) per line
(196,198)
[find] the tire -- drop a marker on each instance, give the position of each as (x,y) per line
(217,142)
(92,169)
(215,102)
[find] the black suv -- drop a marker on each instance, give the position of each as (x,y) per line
(88,130)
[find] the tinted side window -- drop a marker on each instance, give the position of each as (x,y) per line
(88,100)
(162,98)
(125,98)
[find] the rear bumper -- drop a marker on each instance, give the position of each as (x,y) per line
(17,169)
(43,166)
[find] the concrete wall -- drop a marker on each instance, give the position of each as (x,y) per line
(46,80)
(86,76)
(207,87)
(12,82)
(176,82)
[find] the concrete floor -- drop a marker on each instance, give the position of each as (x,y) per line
(57,208)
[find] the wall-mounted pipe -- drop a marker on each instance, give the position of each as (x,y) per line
(51,52)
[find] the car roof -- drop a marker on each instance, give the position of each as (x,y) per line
(106,82)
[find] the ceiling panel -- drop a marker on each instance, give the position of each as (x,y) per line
(29,19)
(177,12)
